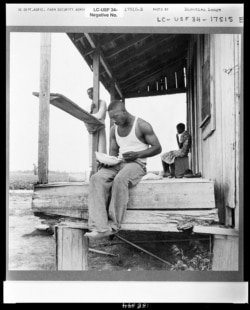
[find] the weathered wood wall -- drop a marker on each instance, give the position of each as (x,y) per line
(218,142)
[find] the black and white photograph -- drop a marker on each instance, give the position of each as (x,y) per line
(125,143)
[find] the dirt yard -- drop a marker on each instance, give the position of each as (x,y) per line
(32,249)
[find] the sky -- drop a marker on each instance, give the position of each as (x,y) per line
(68,137)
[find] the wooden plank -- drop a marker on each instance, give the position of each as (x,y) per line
(112,97)
(135,94)
(228,122)
(169,216)
(170,227)
(151,227)
(215,230)
(238,46)
(225,253)
(72,249)
(172,196)
(65,104)
(93,138)
(196,217)
(160,194)
(43,141)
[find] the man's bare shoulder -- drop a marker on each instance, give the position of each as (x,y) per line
(144,126)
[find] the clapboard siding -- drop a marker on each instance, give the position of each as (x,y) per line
(217,153)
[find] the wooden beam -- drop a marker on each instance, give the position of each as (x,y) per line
(225,253)
(88,52)
(134,216)
(136,94)
(93,138)
(112,97)
(44,103)
(71,249)
(127,45)
(68,106)
(104,64)
(171,227)
(216,230)
(78,36)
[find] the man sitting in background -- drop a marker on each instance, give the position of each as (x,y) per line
(101,115)
(184,143)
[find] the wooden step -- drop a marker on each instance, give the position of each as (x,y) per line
(71,199)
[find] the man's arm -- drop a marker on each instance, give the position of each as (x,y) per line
(114,148)
(101,114)
(178,141)
(148,136)
(184,150)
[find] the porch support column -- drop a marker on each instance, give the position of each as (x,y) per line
(44,103)
(112,96)
(93,138)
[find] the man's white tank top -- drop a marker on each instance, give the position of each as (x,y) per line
(130,143)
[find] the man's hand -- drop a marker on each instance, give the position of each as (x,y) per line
(130,156)
(91,128)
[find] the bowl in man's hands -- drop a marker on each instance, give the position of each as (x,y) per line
(106,159)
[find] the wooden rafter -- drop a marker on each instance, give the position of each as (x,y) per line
(77,37)
(139,66)
(134,94)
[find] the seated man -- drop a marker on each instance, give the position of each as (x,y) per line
(184,142)
(132,139)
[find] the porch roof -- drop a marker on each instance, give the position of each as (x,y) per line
(139,65)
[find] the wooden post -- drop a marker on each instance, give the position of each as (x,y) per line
(225,253)
(71,249)
(93,138)
(112,96)
(44,103)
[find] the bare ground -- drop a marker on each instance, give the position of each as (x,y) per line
(31,249)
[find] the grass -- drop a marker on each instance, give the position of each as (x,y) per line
(26,179)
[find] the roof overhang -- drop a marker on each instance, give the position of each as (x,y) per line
(137,65)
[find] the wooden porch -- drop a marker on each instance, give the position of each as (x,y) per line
(129,66)
(168,205)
